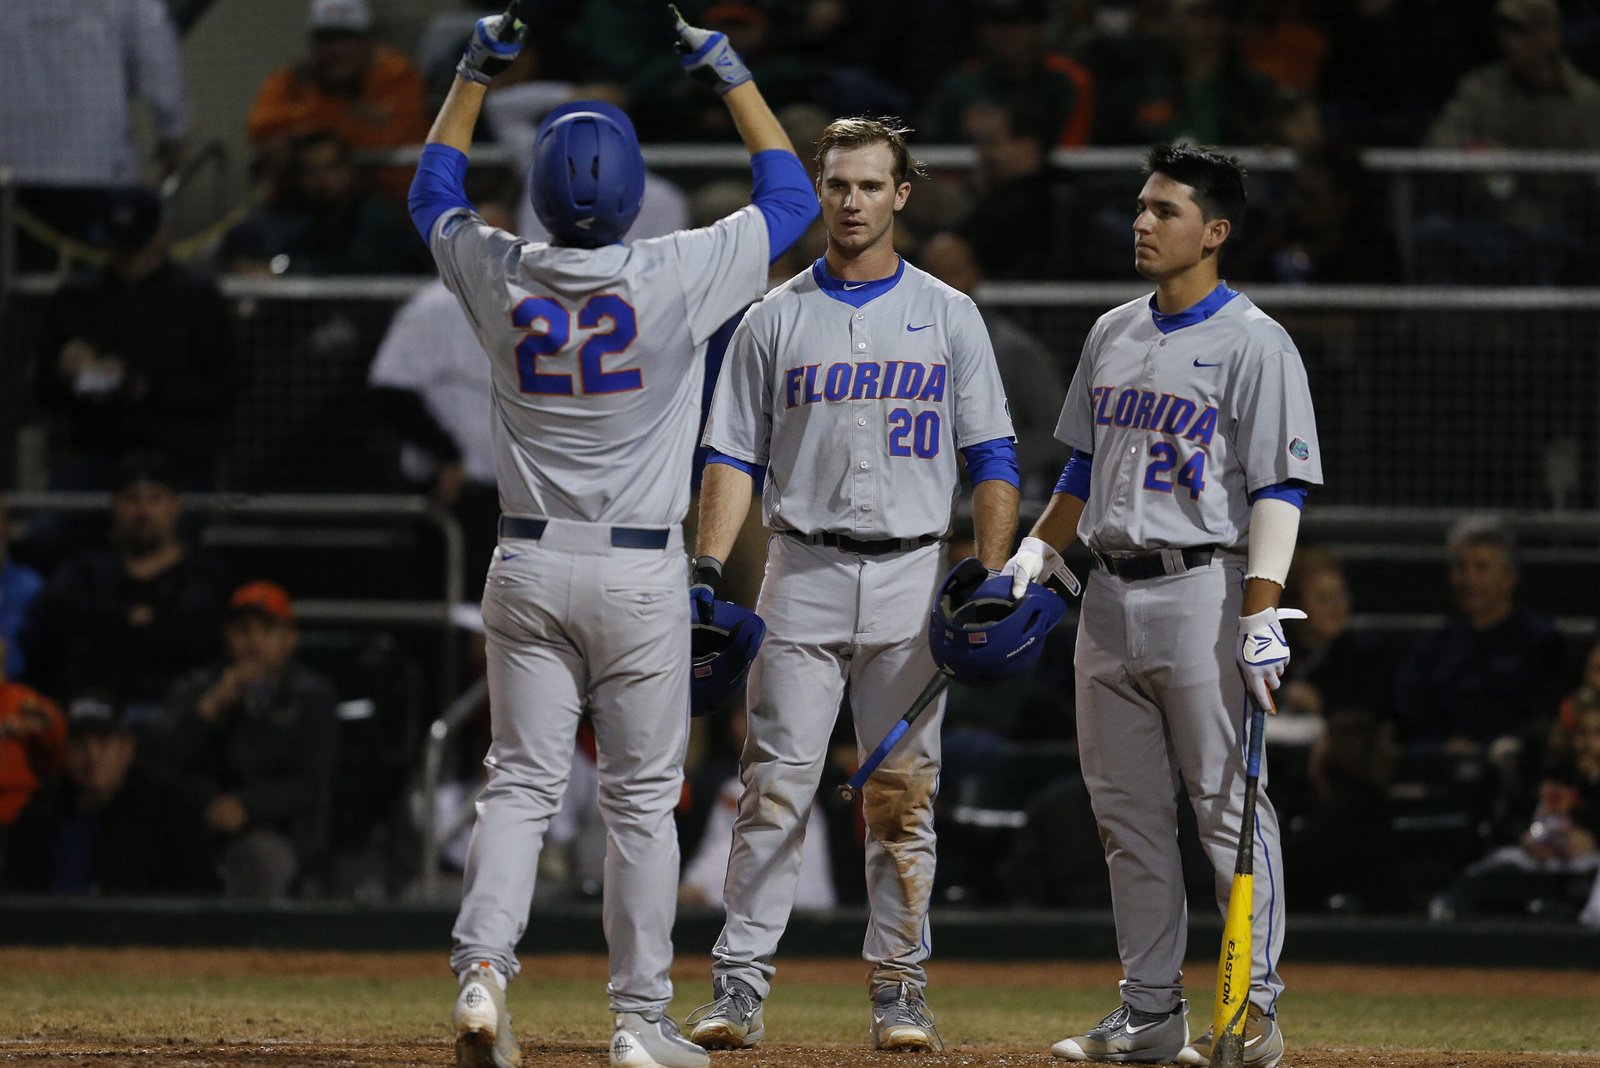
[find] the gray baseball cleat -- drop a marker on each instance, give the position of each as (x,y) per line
(1263,1042)
(901,1021)
(1129,1036)
(731,1021)
(483,1027)
(641,1041)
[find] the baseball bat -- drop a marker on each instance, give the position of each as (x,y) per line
(1234,964)
(936,686)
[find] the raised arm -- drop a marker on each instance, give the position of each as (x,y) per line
(782,186)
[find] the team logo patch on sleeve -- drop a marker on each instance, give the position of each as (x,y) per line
(1299,449)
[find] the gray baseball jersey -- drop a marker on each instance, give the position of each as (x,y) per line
(599,358)
(1183,425)
(843,402)
(856,396)
(596,361)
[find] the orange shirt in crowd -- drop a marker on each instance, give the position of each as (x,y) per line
(33,743)
(389,113)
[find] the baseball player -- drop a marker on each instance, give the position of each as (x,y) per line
(849,389)
(1193,446)
(595,351)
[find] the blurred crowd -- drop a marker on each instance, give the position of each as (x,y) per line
(159,729)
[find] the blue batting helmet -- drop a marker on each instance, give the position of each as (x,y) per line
(720,653)
(587,177)
(979,635)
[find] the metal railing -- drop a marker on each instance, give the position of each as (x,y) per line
(425,805)
(227,510)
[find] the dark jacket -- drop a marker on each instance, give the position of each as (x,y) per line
(148,839)
(273,749)
(83,635)
(174,332)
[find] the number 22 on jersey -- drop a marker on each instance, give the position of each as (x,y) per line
(549,329)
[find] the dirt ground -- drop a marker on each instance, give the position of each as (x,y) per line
(223,963)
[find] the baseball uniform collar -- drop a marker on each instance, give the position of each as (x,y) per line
(1197,313)
(854,294)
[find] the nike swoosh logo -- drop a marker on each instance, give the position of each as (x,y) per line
(853,285)
(1132,1030)
(913,329)
(1197,363)
(508,556)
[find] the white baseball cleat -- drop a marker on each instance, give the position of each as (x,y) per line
(483,1026)
(639,1041)
(1128,1036)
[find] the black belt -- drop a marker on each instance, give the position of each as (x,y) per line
(516,526)
(1153,565)
(865,548)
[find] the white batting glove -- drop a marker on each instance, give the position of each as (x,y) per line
(1033,558)
(1263,652)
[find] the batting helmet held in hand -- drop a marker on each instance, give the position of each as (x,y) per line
(720,653)
(587,178)
(979,635)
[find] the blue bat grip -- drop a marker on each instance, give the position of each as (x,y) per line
(870,765)
(1258,727)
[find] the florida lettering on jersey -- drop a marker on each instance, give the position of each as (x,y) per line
(813,383)
(1143,409)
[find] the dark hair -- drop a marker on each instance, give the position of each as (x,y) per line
(858,132)
(1217,179)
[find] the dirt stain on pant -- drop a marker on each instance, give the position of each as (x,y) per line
(898,806)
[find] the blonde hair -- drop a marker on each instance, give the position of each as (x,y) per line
(860,131)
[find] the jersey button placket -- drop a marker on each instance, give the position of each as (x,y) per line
(863,494)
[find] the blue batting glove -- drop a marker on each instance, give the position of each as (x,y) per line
(708,57)
(496,40)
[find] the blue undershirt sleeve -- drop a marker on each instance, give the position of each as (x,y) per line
(781,188)
(437,187)
(1075,476)
(757,472)
(992,459)
(1294,491)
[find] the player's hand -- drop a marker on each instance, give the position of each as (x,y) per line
(708,57)
(703,593)
(1034,557)
(496,40)
(1263,652)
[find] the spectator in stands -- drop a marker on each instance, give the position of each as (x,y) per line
(109,825)
(69,73)
(1561,732)
(1023,211)
(1560,840)
(19,586)
(1179,78)
(1031,375)
(1521,227)
(1334,669)
(131,617)
(706,868)
(1488,677)
(1328,227)
(137,354)
(1014,64)
(350,85)
(256,735)
(1392,62)
(1281,41)
(32,742)
(322,220)
(430,382)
